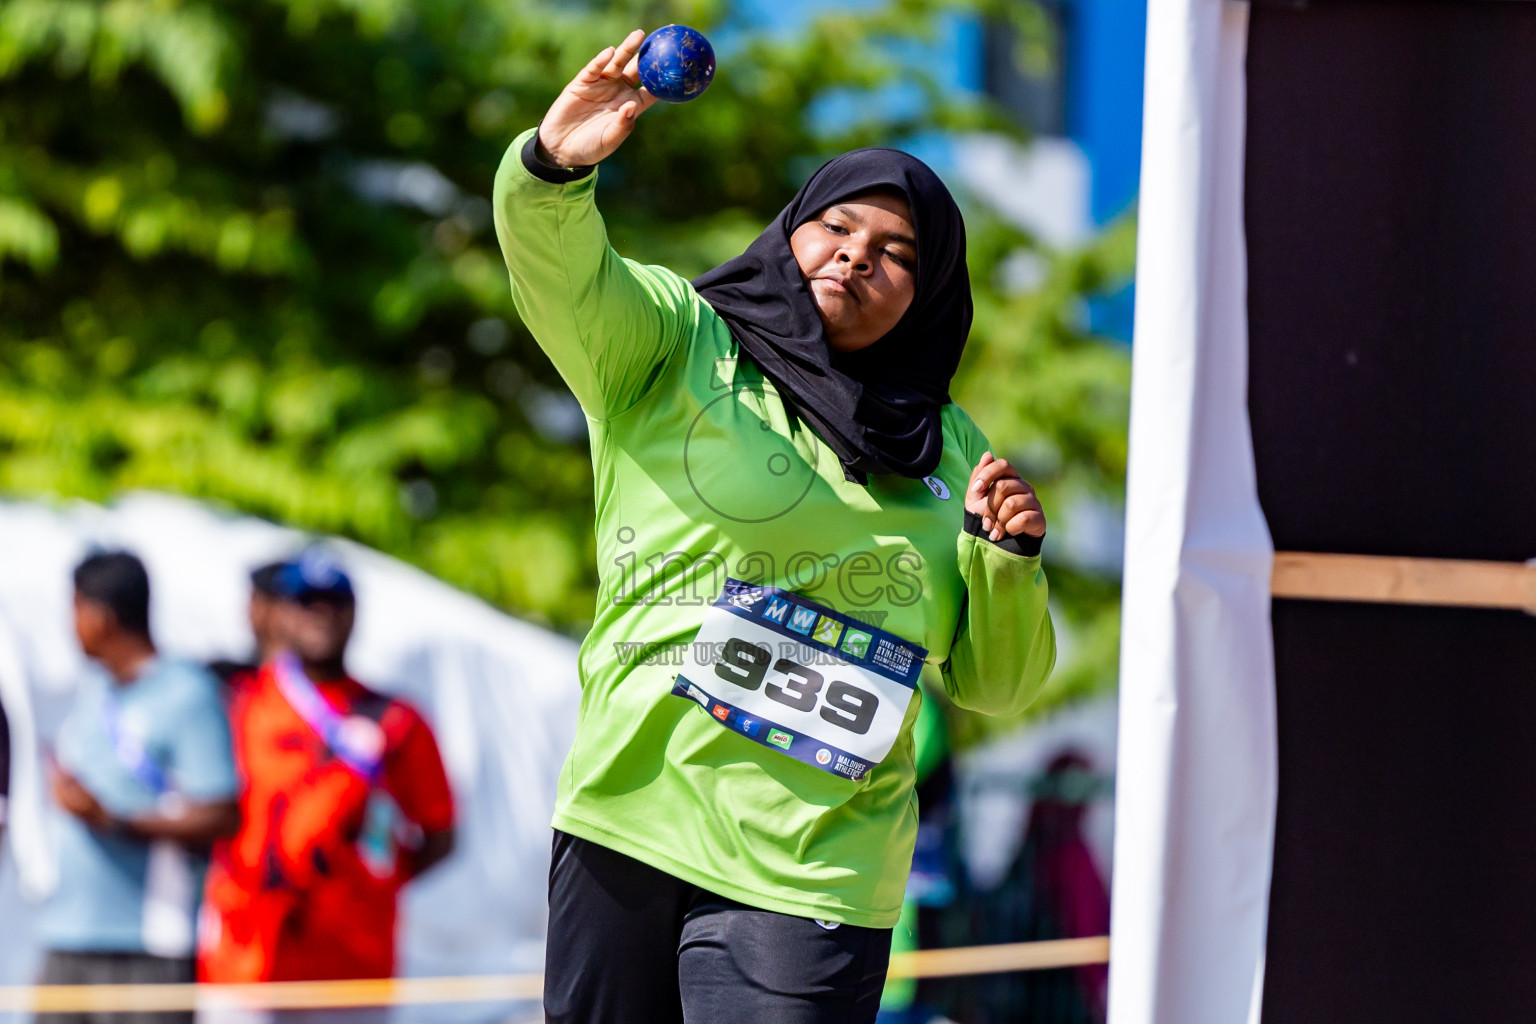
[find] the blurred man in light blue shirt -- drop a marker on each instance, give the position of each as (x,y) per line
(145,781)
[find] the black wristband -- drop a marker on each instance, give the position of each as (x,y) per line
(1013,543)
(551,173)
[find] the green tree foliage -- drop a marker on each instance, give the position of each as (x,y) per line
(246,255)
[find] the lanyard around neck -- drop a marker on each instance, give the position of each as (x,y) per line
(129,748)
(356,741)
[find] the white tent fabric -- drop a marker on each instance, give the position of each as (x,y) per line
(500,694)
(1197,751)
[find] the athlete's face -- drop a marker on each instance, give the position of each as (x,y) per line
(317,627)
(859,260)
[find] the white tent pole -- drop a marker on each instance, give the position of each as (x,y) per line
(1195,789)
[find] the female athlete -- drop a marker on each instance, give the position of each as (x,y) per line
(797,532)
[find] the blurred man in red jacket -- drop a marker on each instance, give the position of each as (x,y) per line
(345,801)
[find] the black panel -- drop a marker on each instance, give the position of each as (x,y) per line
(1391,222)
(1391,216)
(1405,855)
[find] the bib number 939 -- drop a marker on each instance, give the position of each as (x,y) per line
(797,686)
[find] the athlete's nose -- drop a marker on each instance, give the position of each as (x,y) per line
(857,255)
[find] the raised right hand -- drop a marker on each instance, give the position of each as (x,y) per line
(596,112)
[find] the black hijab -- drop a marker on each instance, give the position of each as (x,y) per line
(877,408)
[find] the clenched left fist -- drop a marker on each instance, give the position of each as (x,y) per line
(1006,502)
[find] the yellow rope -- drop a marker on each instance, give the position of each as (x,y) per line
(926,963)
(270,995)
(1015,956)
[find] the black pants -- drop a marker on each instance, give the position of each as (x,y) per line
(629,944)
(68,968)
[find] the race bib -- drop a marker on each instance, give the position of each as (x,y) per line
(800,678)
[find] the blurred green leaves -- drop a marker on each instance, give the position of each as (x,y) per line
(27,235)
(246,255)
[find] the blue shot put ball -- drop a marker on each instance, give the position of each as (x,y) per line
(676,63)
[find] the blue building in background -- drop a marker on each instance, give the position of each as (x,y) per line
(1082,102)
(1103,60)
(1078,94)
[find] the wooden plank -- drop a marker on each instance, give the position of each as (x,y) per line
(1390,580)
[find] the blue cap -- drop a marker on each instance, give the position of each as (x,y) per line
(313,572)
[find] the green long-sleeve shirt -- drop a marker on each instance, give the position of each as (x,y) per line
(701,478)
